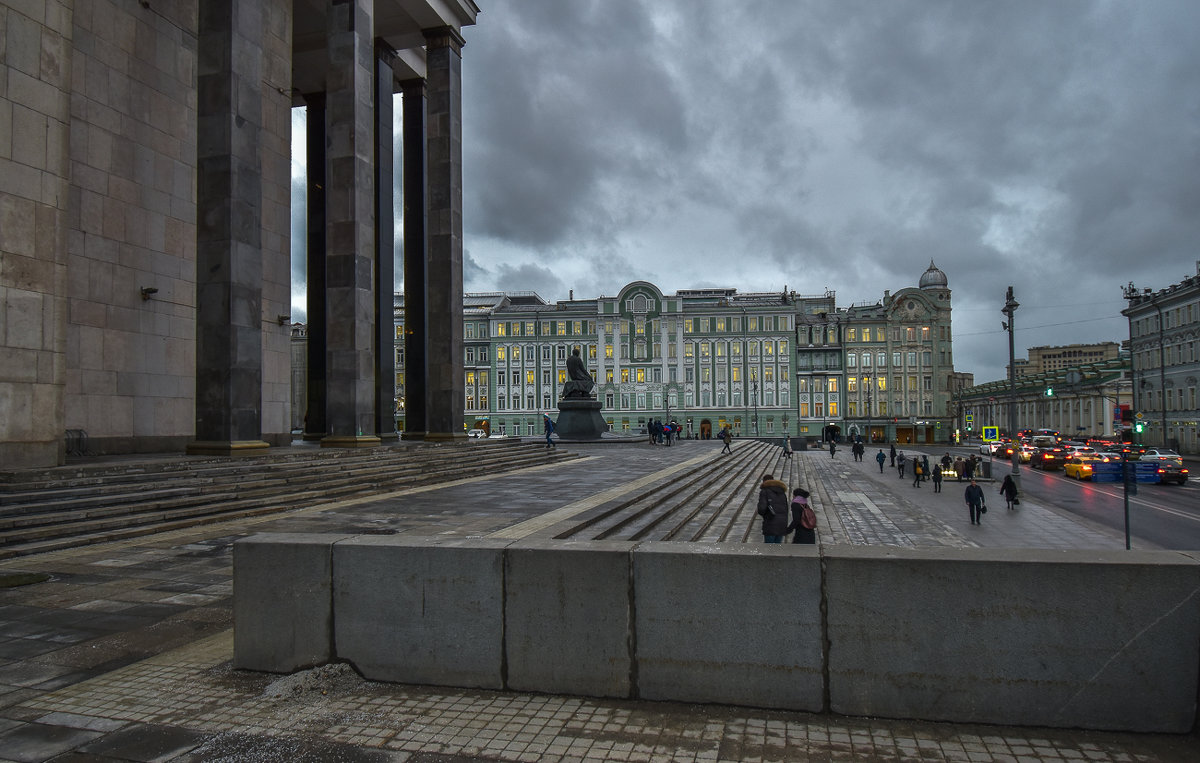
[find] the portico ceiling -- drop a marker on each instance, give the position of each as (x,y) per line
(399,23)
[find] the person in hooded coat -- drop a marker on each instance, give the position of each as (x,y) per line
(773,508)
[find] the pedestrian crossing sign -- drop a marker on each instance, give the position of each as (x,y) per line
(991,434)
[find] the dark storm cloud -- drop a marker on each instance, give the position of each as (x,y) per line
(1051,146)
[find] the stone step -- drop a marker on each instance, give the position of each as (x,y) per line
(32,533)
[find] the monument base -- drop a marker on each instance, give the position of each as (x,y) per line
(579,419)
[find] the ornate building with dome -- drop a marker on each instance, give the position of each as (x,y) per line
(765,364)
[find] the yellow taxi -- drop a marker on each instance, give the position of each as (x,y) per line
(1080,467)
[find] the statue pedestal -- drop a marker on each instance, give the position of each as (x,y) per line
(579,419)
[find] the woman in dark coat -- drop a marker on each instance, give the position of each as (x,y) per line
(1008,489)
(773,508)
(803,534)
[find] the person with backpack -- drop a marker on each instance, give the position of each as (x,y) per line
(727,437)
(804,519)
(773,508)
(549,427)
(901,459)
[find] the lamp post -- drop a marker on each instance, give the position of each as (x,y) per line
(1010,307)
(754,392)
(867,383)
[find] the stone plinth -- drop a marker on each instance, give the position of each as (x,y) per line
(580,420)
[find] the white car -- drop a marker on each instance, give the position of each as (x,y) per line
(991,448)
(476,434)
(1162,454)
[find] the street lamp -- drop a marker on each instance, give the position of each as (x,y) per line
(1010,307)
(754,392)
(867,384)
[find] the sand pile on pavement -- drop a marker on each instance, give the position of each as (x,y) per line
(322,680)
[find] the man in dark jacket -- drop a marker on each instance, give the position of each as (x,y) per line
(773,508)
(974,499)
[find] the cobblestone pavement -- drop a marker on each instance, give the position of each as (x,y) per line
(124,653)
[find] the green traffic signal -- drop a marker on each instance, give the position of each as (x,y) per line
(1138,427)
(1049,391)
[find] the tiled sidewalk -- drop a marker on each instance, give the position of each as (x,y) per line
(190,705)
(124,653)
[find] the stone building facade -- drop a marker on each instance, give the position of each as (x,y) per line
(765,364)
(144,219)
(1164,336)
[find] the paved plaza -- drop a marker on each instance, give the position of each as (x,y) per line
(124,652)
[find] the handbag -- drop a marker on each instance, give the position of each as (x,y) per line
(983,509)
(1016,501)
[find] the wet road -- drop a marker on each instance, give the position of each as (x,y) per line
(1167,516)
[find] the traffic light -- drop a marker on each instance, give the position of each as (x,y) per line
(1138,427)
(1049,391)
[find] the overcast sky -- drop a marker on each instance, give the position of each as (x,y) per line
(758,144)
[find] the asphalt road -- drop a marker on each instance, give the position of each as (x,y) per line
(1164,516)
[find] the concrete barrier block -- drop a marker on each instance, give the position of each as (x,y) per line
(1102,640)
(282,606)
(731,623)
(421,610)
(567,620)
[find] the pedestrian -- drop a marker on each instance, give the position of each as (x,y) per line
(787,447)
(947,462)
(726,437)
(773,508)
(960,467)
(937,479)
(549,427)
(1008,489)
(900,459)
(916,472)
(892,448)
(832,448)
(804,520)
(880,457)
(924,467)
(974,499)
(970,469)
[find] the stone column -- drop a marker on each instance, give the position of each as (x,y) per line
(350,220)
(229,267)
(385,247)
(445,386)
(416,248)
(314,413)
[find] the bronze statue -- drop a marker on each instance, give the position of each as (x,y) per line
(579,381)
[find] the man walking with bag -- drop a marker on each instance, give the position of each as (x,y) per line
(974,499)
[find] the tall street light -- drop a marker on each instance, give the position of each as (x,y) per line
(1010,307)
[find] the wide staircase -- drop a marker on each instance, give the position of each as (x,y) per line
(109,499)
(714,501)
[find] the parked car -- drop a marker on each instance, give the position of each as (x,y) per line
(1079,467)
(1048,459)
(1162,454)
(1169,471)
(476,434)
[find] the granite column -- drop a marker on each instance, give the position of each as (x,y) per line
(350,220)
(385,246)
(314,412)
(229,268)
(445,385)
(416,247)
